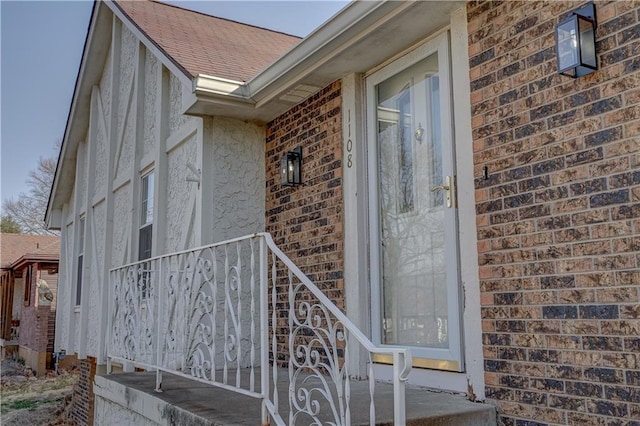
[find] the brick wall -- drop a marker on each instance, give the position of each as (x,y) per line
(559,215)
(37,323)
(34,320)
(306,221)
(82,400)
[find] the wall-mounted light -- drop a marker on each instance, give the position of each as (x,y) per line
(576,42)
(291,168)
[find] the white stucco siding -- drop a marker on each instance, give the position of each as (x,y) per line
(176,118)
(96,280)
(121,225)
(238,178)
(136,125)
(181,196)
(126,110)
(65,282)
(105,83)
(101,142)
(71,205)
(100,167)
(151,70)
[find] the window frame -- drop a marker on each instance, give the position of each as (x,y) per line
(145,230)
(147,210)
(80,260)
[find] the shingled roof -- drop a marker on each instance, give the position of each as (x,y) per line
(16,246)
(204,44)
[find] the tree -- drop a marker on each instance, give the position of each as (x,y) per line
(9,226)
(28,210)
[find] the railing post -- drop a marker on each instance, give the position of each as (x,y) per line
(264,330)
(108,336)
(399,415)
(158,321)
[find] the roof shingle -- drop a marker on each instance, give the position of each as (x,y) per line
(204,44)
(15,246)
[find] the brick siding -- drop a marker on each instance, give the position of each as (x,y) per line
(82,400)
(559,215)
(35,321)
(306,221)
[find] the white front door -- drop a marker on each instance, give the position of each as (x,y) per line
(413,215)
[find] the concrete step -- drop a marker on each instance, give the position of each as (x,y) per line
(130,398)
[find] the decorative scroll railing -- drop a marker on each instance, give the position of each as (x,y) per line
(241,315)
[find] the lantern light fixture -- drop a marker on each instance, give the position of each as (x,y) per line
(291,168)
(576,42)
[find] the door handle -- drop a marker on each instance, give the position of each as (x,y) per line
(446,187)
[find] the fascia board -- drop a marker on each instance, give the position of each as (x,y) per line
(34,258)
(70,138)
(353,23)
(210,86)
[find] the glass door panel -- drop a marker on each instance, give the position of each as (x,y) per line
(416,289)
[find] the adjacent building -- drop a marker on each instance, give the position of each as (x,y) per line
(28,290)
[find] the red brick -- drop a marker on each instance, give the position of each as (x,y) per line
(595,247)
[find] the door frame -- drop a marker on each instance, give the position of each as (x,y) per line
(450,359)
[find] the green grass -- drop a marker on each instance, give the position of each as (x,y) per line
(23,405)
(28,404)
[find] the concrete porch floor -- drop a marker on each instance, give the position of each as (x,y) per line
(187,402)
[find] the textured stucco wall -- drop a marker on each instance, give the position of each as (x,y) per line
(238,182)
(128,61)
(97,229)
(160,137)
(176,119)
(180,195)
(100,169)
(64,288)
(150,98)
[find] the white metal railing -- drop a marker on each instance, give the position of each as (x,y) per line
(241,315)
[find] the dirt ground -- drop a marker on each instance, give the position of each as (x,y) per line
(27,400)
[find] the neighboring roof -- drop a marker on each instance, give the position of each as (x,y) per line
(14,247)
(203,44)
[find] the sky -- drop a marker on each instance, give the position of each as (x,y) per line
(40,51)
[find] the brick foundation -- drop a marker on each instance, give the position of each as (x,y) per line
(559,215)
(82,400)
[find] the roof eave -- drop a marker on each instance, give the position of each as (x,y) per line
(215,95)
(29,258)
(365,28)
(95,49)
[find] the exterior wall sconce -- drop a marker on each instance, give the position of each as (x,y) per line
(576,42)
(291,168)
